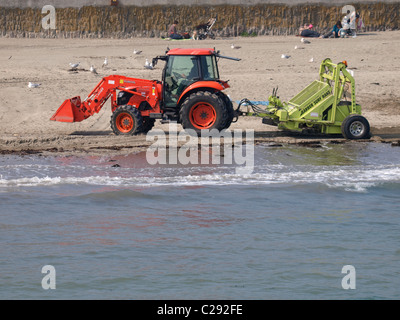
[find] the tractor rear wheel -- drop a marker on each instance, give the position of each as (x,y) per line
(126,120)
(355,126)
(203,110)
(229,109)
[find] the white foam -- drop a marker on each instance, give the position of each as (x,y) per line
(349,178)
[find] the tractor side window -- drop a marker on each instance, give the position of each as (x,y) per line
(209,68)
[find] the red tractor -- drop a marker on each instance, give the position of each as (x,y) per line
(190,93)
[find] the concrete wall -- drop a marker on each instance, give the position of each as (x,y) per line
(83,3)
(153,21)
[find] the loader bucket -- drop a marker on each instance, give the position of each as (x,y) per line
(70,111)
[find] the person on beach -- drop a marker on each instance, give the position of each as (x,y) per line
(349,23)
(305,27)
(353,19)
(359,22)
(306,31)
(173,33)
(334,33)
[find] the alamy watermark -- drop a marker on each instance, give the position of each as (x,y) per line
(49,280)
(228,147)
(49,21)
(349,280)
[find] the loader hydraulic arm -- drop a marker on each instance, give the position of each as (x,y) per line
(75,110)
(98,97)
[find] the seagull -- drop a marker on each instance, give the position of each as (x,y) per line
(137,51)
(284,56)
(148,65)
(105,63)
(74,65)
(93,70)
(304,40)
(311,60)
(234,47)
(33,85)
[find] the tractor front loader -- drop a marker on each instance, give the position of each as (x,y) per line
(190,93)
(327,106)
(129,116)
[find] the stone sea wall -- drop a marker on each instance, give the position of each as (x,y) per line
(147,3)
(153,21)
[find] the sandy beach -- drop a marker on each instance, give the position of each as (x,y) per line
(25,125)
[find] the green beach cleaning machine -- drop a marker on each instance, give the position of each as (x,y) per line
(326,106)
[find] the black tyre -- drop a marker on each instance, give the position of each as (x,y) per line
(126,120)
(203,110)
(229,109)
(355,126)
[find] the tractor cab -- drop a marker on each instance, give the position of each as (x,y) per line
(183,68)
(190,75)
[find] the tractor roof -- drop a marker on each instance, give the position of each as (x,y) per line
(191,52)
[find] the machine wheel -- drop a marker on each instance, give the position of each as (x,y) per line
(203,110)
(229,109)
(126,120)
(355,126)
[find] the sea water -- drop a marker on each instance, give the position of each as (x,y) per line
(116,227)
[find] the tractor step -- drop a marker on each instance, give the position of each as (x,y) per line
(156,115)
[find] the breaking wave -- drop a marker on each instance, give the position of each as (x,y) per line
(349,178)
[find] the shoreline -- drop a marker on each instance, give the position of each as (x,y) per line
(106,143)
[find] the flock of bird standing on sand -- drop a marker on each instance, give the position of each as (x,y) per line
(148,65)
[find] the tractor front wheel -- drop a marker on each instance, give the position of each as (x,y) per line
(126,120)
(203,110)
(355,126)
